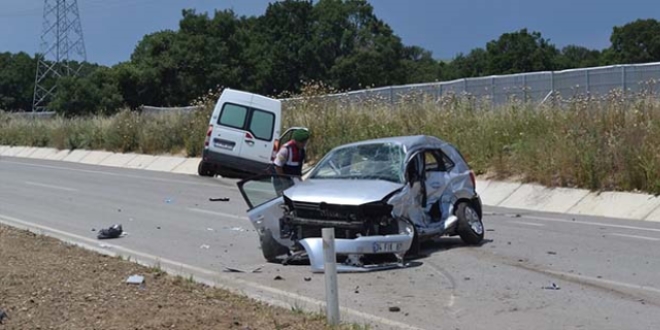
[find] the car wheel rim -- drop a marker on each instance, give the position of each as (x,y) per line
(473,220)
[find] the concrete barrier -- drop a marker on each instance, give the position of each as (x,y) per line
(13,151)
(654,216)
(165,163)
(76,156)
(189,166)
(541,198)
(60,155)
(496,192)
(118,160)
(616,205)
(95,157)
(43,153)
(25,153)
(140,162)
(3,149)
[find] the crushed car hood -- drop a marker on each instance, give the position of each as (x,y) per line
(345,192)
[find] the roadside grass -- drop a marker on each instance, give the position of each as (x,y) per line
(599,143)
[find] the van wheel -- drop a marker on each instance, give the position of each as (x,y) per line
(470,226)
(205,169)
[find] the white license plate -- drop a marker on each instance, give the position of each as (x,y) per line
(386,247)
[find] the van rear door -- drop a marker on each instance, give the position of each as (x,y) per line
(246,126)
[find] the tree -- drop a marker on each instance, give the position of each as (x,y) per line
(573,56)
(520,51)
(16,81)
(635,42)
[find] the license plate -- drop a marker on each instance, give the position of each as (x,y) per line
(386,247)
(223,144)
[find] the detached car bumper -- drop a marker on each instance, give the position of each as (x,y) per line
(397,244)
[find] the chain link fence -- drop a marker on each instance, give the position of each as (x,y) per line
(535,87)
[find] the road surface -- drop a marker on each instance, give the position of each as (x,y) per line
(606,271)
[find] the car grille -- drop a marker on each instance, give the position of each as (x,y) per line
(313,211)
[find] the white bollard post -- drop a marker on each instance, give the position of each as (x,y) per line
(330,271)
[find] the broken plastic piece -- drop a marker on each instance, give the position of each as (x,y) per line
(224,199)
(135,279)
(3,316)
(112,232)
(553,287)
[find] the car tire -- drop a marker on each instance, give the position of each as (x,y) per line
(270,248)
(470,226)
(205,169)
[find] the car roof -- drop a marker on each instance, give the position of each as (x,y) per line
(409,142)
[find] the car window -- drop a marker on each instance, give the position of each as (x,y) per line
(436,160)
(431,161)
(262,124)
(379,161)
(233,115)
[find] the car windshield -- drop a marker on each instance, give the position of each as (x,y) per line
(376,161)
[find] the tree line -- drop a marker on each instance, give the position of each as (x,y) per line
(341,43)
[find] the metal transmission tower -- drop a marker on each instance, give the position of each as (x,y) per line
(61,42)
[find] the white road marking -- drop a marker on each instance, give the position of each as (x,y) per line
(636,236)
(590,223)
(528,223)
(220,214)
(235,285)
(43,185)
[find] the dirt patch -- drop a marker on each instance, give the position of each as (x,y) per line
(48,284)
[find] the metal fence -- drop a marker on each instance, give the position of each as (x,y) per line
(533,87)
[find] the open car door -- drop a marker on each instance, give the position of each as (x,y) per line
(263,196)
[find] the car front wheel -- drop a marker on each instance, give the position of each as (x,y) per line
(470,226)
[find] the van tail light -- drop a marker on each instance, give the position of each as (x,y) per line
(473,179)
(208,136)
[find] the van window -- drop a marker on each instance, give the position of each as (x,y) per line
(261,124)
(233,116)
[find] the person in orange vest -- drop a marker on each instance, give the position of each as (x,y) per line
(289,160)
(291,156)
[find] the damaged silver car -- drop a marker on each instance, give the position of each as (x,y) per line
(383,197)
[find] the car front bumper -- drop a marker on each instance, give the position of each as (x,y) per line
(397,244)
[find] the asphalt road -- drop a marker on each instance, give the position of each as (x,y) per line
(607,271)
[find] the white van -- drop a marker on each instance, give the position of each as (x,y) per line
(243,134)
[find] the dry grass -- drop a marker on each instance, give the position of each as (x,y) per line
(46,284)
(608,143)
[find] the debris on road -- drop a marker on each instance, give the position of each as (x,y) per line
(224,199)
(553,287)
(278,278)
(238,270)
(3,316)
(168,200)
(357,289)
(135,279)
(210,229)
(307,279)
(235,228)
(552,252)
(395,309)
(205,246)
(113,232)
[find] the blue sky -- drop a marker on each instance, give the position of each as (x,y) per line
(112,28)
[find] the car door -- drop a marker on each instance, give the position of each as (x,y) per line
(263,196)
(437,179)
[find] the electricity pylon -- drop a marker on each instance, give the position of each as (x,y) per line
(61,44)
